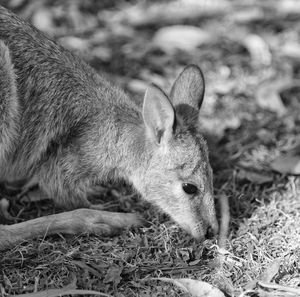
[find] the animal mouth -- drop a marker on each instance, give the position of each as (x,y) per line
(197,231)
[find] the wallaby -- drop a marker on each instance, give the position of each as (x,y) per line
(65,127)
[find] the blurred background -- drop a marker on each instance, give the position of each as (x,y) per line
(249,51)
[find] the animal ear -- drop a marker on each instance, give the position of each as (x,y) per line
(189,87)
(158,115)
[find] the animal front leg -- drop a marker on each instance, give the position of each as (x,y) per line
(79,221)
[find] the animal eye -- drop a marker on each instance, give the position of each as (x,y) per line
(190,189)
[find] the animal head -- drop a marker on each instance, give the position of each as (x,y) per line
(178,178)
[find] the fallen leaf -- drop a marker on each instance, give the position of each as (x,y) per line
(217,126)
(195,287)
(224,88)
(258,49)
(113,275)
(287,164)
(43,20)
(284,290)
(167,38)
(247,16)
(254,177)
(288,7)
(137,86)
(271,270)
(178,11)
(268,95)
(291,50)
(101,52)
(74,43)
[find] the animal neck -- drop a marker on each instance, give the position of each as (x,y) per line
(134,150)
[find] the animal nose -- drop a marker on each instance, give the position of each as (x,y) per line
(210,233)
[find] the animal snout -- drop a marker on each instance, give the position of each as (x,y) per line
(212,228)
(211,232)
(204,230)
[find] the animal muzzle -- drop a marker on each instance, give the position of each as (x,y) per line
(205,230)
(212,228)
(207,224)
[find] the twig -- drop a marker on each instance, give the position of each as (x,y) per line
(279,287)
(62,292)
(225,219)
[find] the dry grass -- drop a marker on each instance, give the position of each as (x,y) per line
(265,227)
(265,220)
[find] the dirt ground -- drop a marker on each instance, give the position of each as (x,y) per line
(249,52)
